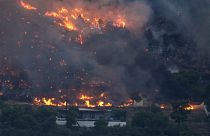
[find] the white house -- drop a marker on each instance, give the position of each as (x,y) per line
(206,110)
(88,116)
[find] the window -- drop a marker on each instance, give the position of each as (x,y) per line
(92,115)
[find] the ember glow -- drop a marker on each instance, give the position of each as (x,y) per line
(128,103)
(120,22)
(85,97)
(81,21)
(83,100)
(64,18)
(49,102)
(189,107)
(91,101)
(27,6)
(47,46)
(69,18)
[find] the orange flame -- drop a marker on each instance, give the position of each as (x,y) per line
(83,101)
(88,104)
(49,102)
(120,22)
(68,19)
(80,39)
(128,103)
(189,108)
(64,20)
(85,97)
(81,21)
(27,6)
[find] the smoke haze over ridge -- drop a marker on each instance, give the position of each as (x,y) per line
(115,60)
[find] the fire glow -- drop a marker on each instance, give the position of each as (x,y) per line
(80,21)
(189,108)
(128,103)
(68,18)
(49,102)
(27,6)
(83,100)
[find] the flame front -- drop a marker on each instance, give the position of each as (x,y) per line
(82,21)
(63,18)
(85,97)
(69,19)
(83,101)
(49,102)
(100,103)
(27,6)
(128,103)
(189,107)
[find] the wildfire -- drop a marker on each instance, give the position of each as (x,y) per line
(88,104)
(189,108)
(80,38)
(69,18)
(103,104)
(98,104)
(64,19)
(81,21)
(85,97)
(103,95)
(82,101)
(27,6)
(49,102)
(128,103)
(120,22)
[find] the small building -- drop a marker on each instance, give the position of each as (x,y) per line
(88,116)
(197,105)
(207,112)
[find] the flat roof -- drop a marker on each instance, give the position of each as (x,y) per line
(90,109)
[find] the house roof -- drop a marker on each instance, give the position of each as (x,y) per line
(90,109)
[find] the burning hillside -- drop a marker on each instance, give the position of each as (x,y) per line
(27,6)
(80,100)
(85,20)
(126,48)
(44,37)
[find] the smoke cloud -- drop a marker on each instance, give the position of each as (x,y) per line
(44,57)
(192,17)
(32,43)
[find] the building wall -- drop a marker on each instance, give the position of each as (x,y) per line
(91,123)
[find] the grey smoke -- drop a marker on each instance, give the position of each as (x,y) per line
(118,58)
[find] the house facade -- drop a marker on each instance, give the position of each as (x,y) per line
(88,116)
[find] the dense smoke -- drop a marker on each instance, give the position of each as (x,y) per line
(192,17)
(116,60)
(106,62)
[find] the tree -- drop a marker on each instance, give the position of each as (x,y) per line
(207,103)
(147,119)
(9,114)
(180,114)
(183,85)
(135,96)
(25,121)
(101,123)
(119,114)
(71,118)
